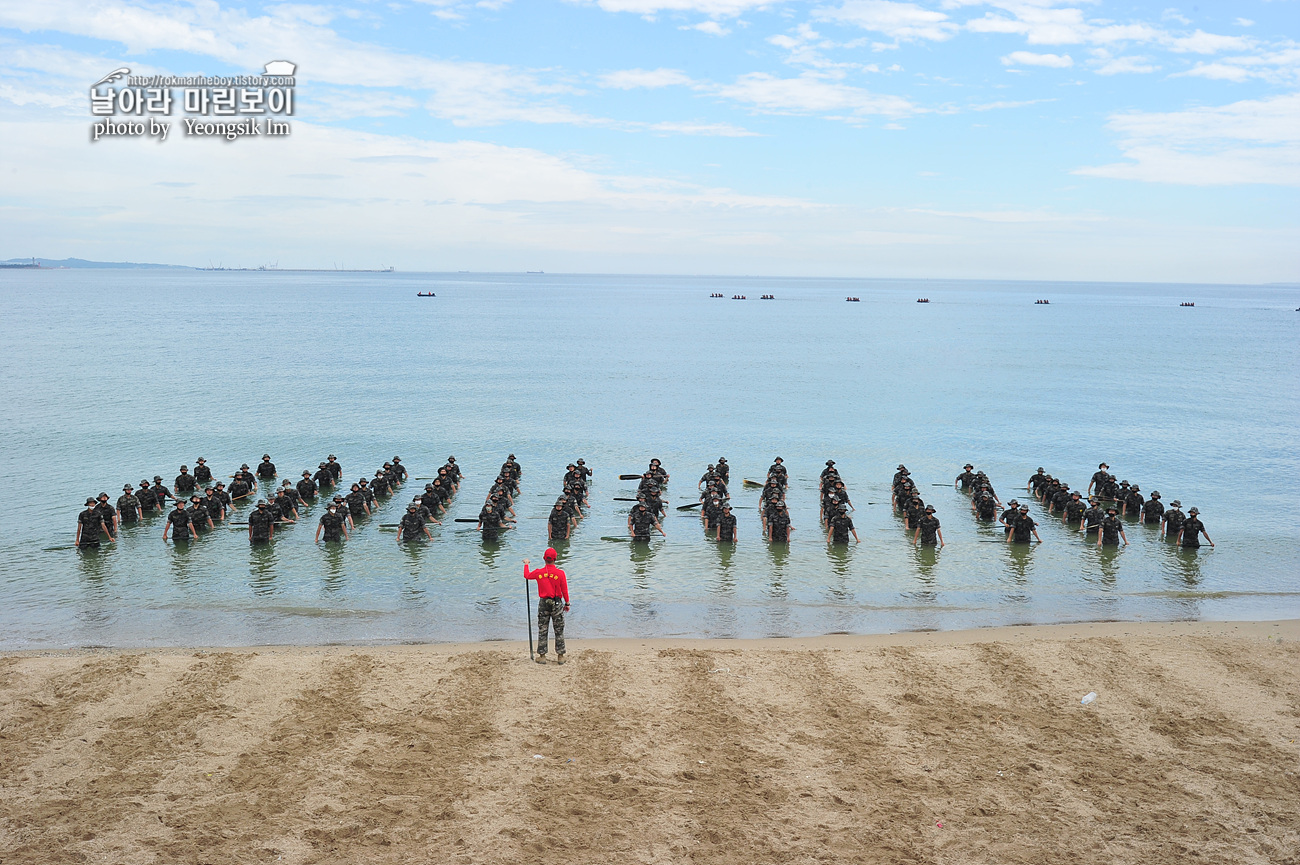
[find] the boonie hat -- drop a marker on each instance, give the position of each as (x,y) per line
(1194,511)
(90,501)
(1176,503)
(126,487)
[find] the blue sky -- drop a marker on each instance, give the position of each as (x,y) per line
(1026,139)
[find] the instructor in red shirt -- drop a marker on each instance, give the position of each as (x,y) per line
(552,604)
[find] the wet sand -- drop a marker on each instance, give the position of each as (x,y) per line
(940,747)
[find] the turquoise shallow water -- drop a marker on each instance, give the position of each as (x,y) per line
(111,376)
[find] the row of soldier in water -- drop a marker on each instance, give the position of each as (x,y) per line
(1054,494)
(716,513)
(498,513)
(101,519)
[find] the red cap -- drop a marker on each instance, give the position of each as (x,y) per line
(550,554)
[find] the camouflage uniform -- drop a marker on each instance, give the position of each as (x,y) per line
(550,610)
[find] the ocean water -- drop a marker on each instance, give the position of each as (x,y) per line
(112,376)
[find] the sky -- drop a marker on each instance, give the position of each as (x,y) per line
(988,139)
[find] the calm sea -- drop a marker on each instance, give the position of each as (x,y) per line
(113,376)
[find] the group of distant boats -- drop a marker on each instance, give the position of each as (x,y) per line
(716,294)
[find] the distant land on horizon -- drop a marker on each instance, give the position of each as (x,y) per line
(70,263)
(81,262)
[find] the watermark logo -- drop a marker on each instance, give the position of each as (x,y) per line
(227,107)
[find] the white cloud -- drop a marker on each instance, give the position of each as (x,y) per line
(631,79)
(23,96)
(1028,58)
(1244,22)
(329,105)
(1217,71)
(1281,66)
(810,94)
(466,93)
(807,47)
(721,130)
(453,10)
(714,8)
(1104,63)
(900,21)
(1252,141)
(1126,65)
(995,106)
(713,28)
(1175,15)
(1041,24)
(1201,42)
(1016,217)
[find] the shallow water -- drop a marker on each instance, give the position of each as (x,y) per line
(112,376)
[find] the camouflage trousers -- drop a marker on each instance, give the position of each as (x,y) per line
(550,610)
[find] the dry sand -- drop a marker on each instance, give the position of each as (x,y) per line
(945,748)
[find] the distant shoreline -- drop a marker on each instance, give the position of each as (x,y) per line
(964,636)
(84,264)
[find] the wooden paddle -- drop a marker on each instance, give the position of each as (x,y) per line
(688,507)
(467,520)
(747,482)
(625,500)
(629,477)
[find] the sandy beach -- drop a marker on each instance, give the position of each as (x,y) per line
(925,747)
